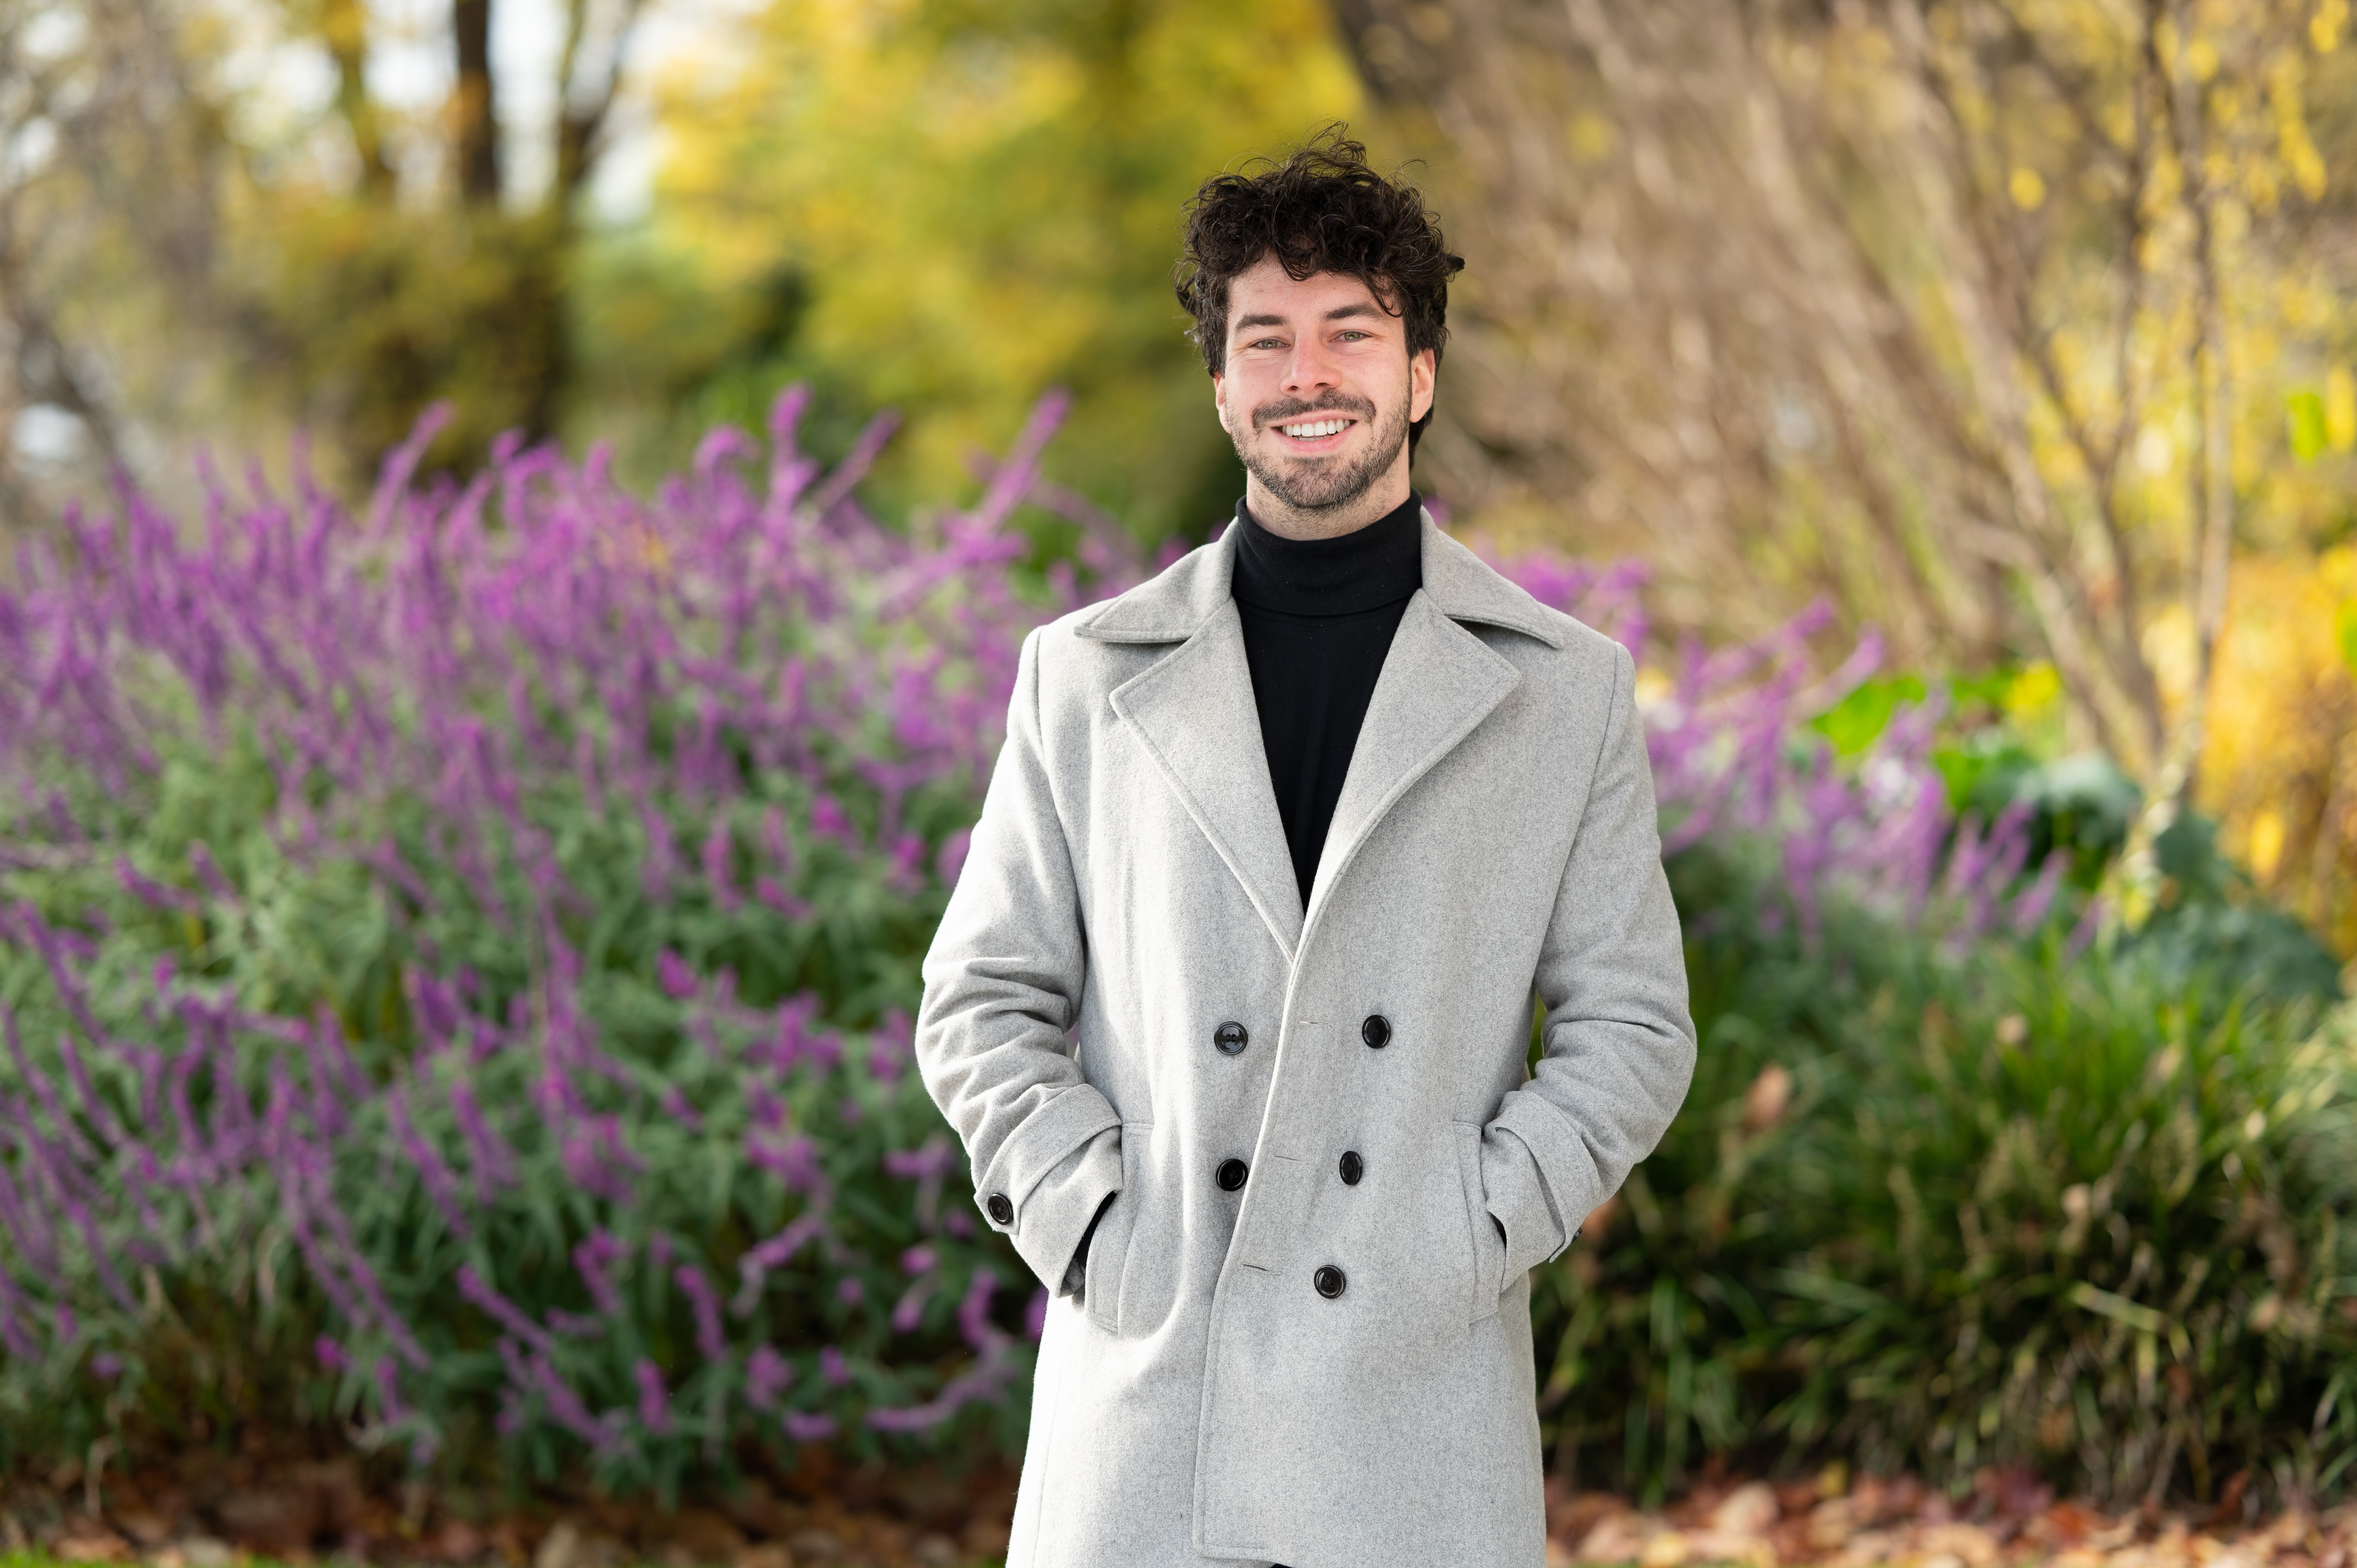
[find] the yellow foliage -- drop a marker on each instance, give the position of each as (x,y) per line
(2340,408)
(2280,769)
(983,203)
(2325,27)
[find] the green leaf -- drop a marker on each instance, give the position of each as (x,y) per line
(2118,1308)
(2304,416)
(1858,720)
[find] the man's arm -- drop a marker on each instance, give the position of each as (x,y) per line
(1618,1042)
(1002,987)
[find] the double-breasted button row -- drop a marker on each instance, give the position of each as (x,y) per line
(1232,1037)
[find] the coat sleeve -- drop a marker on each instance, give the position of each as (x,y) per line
(1002,987)
(1618,1042)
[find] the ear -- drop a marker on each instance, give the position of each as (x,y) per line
(1423,370)
(1219,395)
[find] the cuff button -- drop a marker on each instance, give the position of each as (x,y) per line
(1001,1211)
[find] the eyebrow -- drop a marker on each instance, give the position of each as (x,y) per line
(1340,313)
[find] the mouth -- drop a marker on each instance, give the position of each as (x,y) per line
(1322,433)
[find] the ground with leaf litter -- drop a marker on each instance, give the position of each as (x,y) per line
(2006,1518)
(212,1513)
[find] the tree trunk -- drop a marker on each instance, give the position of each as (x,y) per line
(474,105)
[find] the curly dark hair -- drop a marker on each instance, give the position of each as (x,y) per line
(1322,209)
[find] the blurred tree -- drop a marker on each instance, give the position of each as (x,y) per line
(186,248)
(1976,315)
(109,195)
(945,206)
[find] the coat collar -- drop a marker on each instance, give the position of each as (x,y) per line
(1194,710)
(1171,607)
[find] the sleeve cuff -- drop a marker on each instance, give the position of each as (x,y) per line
(1541,1202)
(1046,1225)
(1044,1139)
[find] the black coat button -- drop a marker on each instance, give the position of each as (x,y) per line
(1232,1037)
(1330,1281)
(1001,1211)
(1231,1174)
(1376,1031)
(1353,1168)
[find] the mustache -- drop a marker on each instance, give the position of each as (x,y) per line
(1284,410)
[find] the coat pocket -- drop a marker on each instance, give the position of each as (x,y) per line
(1488,1248)
(1109,1248)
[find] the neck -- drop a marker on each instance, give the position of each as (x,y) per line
(1377,500)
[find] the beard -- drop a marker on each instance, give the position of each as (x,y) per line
(1319,484)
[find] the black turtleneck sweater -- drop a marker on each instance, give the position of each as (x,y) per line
(1319,616)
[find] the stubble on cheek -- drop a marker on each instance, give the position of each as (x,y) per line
(1311,485)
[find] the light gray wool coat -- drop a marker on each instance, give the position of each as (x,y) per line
(1307,1370)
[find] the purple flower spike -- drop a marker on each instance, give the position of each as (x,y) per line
(767,1376)
(675,976)
(711,1342)
(655,1402)
(594,1259)
(803,1427)
(505,1313)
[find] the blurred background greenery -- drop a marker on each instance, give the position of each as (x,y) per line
(2020,330)
(2022,334)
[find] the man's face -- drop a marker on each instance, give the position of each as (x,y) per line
(1318,388)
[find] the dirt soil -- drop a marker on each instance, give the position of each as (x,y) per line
(2008,1518)
(212,1513)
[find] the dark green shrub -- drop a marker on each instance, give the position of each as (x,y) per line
(2015,1204)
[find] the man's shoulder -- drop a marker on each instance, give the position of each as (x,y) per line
(1535,635)
(1585,648)
(1142,621)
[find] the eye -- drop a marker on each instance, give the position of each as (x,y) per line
(1352,336)
(1265,343)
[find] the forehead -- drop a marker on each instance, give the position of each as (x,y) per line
(1266,289)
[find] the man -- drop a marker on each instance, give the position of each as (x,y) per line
(1288,838)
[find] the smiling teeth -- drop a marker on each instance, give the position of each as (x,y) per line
(1313,431)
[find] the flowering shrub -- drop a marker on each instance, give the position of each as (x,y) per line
(455,962)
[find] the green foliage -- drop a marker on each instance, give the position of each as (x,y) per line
(455,969)
(976,203)
(1858,720)
(2305,426)
(379,311)
(2083,1213)
(224,1340)
(2211,917)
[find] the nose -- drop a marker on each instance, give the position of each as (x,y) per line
(1311,368)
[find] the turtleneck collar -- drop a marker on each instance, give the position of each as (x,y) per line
(1365,569)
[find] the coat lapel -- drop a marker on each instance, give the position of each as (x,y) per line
(1194,711)
(1438,682)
